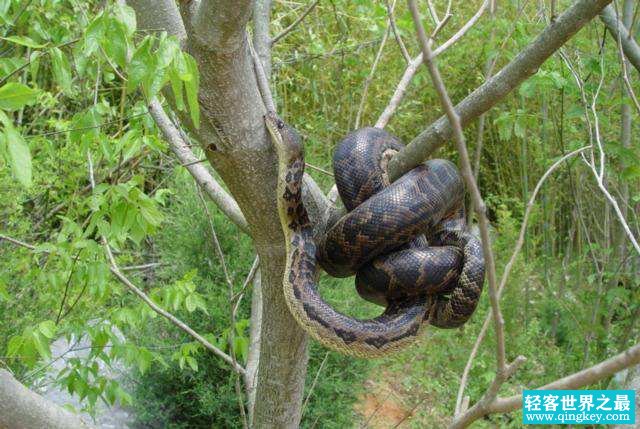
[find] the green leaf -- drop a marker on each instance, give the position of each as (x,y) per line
(47,328)
(93,35)
(190,304)
(41,344)
(168,49)
(176,87)
(127,16)
(143,358)
(115,44)
(61,69)
(14,96)
(191,87)
(141,62)
(23,41)
(241,347)
(18,151)
(4,8)
(15,345)
(192,363)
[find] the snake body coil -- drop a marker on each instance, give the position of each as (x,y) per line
(383,240)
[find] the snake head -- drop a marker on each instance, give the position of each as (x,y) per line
(284,137)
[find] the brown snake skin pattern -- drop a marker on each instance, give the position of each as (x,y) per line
(406,242)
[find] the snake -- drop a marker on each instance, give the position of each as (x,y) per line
(406,242)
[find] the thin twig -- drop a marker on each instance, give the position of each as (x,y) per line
(227,277)
(467,174)
(295,23)
(197,161)
(414,64)
(141,267)
(321,170)
(313,384)
(396,32)
(369,77)
(507,269)
(263,81)
(17,242)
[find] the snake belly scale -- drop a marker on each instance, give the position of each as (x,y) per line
(383,240)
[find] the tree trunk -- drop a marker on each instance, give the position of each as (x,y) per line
(236,143)
(20,408)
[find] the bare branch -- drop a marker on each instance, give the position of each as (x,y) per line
(17,242)
(263,81)
(232,307)
(369,78)
(253,356)
(180,148)
(159,15)
(507,269)
(414,64)
(499,86)
(467,174)
(619,32)
(295,23)
(396,32)
(588,376)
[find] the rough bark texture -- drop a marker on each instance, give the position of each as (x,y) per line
(500,85)
(159,15)
(20,408)
(233,134)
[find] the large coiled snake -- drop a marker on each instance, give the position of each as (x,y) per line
(383,240)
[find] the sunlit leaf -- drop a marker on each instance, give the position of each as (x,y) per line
(191,87)
(15,95)
(18,152)
(61,69)
(23,41)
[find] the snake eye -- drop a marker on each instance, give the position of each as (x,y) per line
(280,124)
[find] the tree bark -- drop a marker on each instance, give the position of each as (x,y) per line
(233,133)
(618,29)
(21,408)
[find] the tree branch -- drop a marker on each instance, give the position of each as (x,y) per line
(220,24)
(159,15)
(261,39)
(180,148)
(467,174)
(508,267)
(295,23)
(499,86)
(396,32)
(588,376)
(21,408)
(619,32)
(414,64)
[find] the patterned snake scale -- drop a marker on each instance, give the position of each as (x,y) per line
(406,242)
